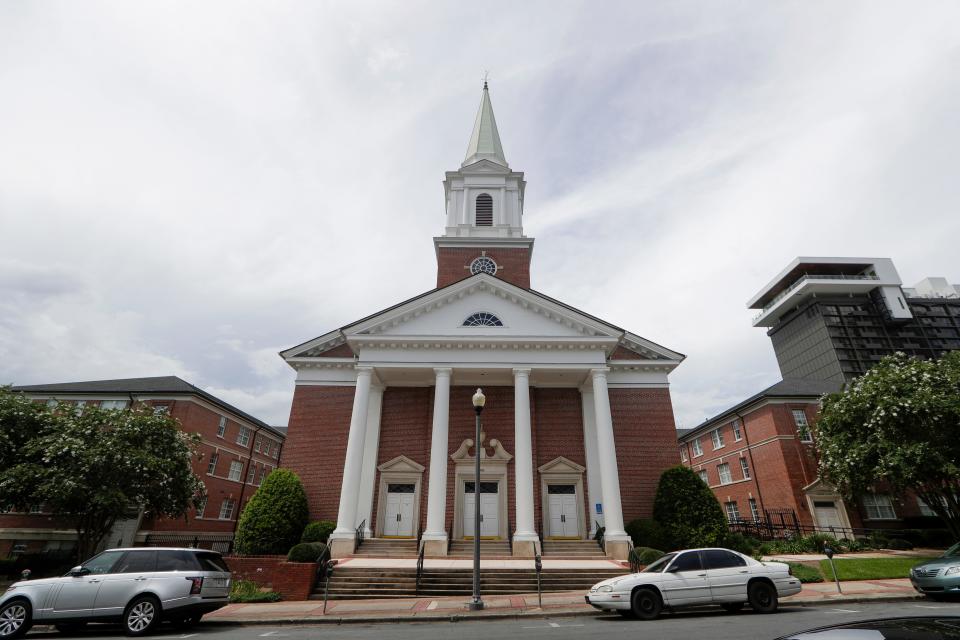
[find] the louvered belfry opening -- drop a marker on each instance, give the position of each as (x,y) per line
(484,210)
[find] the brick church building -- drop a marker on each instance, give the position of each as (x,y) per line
(578,423)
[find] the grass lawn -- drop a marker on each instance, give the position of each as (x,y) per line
(805,573)
(870,568)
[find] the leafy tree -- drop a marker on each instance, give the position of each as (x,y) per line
(898,425)
(93,467)
(687,510)
(274,519)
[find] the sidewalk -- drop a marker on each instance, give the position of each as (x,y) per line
(568,603)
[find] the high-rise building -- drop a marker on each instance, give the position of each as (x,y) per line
(832,319)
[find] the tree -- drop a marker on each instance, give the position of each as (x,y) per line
(687,510)
(274,519)
(93,467)
(897,425)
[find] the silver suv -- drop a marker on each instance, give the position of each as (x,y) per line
(138,587)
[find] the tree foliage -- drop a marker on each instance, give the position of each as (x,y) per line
(899,425)
(274,519)
(687,511)
(94,467)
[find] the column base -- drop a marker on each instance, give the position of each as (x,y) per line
(435,546)
(618,548)
(341,546)
(525,545)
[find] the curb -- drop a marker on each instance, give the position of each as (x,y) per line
(531,614)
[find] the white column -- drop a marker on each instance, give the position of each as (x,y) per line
(523,458)
(353,461)
(371,447)
(607,455)
(594,489)
(439,449)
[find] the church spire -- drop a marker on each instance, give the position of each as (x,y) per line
(485,140)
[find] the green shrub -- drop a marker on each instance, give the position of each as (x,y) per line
(899,544)
(687,510)
(739,542)
(275,517)
(306,552)
(249,591)
(318,531)
(646,533)
(935,538)
(804,573)
(855,545)
(646,555)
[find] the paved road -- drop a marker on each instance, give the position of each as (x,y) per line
(706,623)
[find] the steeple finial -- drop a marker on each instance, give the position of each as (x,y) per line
(485,139)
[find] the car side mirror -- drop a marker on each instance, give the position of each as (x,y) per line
(78,571)
(673,569)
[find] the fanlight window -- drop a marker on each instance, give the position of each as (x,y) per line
(484,210)
(483,319)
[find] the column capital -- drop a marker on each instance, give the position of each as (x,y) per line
(443,372)
(522,371)
(364,370)
(599,372)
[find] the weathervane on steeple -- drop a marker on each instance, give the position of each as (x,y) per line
(486,76)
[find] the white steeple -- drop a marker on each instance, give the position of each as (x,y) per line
(485,140)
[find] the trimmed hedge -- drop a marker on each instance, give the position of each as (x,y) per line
(318,531)
(644,555)
(646,533)
(688,511)
(306,552)
(275,517)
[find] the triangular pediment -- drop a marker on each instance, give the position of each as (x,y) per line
(401,464)
(485,166)
(561,465)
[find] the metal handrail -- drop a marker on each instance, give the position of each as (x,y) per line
(600,534)
(419,571)
(358,535)
(538,565)
(449,539)
(787,291)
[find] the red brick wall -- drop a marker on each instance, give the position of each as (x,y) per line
(453,264)
(646,441)
(317,443)
(557,420)
(292,580)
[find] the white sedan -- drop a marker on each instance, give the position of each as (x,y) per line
(695,577)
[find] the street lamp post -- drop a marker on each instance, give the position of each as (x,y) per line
(477,604)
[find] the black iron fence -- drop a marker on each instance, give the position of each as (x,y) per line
(785,526)
(221,543)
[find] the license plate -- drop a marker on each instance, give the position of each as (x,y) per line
(218,582)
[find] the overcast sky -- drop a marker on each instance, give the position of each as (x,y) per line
(188,188)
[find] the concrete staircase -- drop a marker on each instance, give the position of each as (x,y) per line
(488,549)
(387,548)
(573,549)
(370,582)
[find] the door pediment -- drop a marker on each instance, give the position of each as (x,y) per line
(401,464)
(561,465)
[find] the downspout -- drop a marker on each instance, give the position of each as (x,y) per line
(243,483)
(756,477)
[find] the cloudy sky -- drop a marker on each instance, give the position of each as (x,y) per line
(187,188)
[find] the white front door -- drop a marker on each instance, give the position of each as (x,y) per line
(489,510)
(827,515)
(398,512)
(564,521)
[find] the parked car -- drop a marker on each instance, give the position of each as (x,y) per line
(696,577)
(136,587)
(938,578)
(941,627)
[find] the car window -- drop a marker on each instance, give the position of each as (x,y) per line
(722,559)
(211,561)
(689,561)
(137,562)
(176,561)
(952,551)
(658,565)
(102,563)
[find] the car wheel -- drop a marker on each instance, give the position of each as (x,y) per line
(70,627)
(762,597)
(646,604)
(732,607)
(141,616)
(15,619)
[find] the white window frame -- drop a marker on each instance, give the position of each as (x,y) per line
(226,508)
(697,448)
(80,405)
(745,468)
(113,404)
(161,409)
(683,454)
(222,427)
(243,436)
(803,427)
(201,508)
(723,469)
(878,506)
(212,465)
(717,438)
(705,476)
(258,444)
(754,509)
(732,510)
(737,427)
(251,473)
(236,470)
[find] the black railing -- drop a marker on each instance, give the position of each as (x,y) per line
(325,572)
(599,537)
(538,566)
(358,535)
(419,571)
(220,543)
(449,539)
(777,529)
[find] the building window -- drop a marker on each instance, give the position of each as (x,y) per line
(878,507)
(276,452)
(161,410)
(737,433)
(36,508)
(733,512)
(52,403)
(243,438)
(226,509)
(754,511)
(803,428)
(925,509)
(717,438)
(263,474)
(222,427)
(697,448)
(80,405)
(724,472)
(258,444)
(483,319)
(212,466)
(745,468)
(703,476)
(251,474)
(201,507)
(236,469)
(484,210)
(113,404)
(483,264)
(683,453)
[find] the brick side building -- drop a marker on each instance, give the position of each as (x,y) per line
(237,451)
(578,424)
